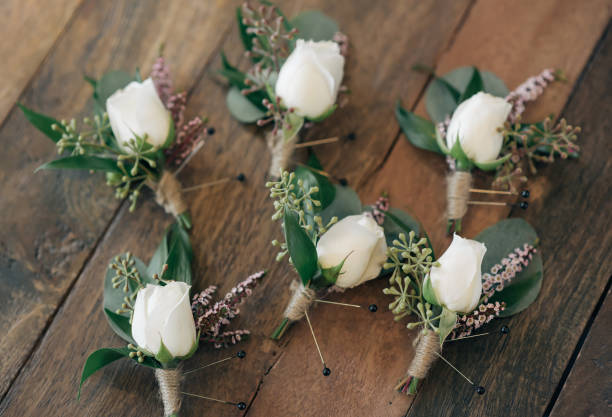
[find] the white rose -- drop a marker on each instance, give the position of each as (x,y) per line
(457,281)
(361,239)
(310,78)
(475,123)
(137,110)
(163,314)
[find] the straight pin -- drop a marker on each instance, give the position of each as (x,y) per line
(482,191)
(240,405)
(338,304)
(455,369)
(239,177)
(326,370)
(191,155)
(317,142)
(489,203)
(468,337)
(210,364)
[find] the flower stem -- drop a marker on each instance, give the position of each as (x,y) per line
(280,330)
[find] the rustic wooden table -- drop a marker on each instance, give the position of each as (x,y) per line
(58,230)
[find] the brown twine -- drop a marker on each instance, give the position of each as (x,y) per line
(169,381)
(280,151)
(458,193)
(427,350)
(168,194)
(301,299)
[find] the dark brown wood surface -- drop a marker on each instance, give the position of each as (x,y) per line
(59,229)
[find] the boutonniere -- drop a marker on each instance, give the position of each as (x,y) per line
(498,274)
(137,136)
(476,122)
(149,307)
(331,239)
(296,73)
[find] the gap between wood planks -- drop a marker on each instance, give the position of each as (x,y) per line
(27,84)
(115,215)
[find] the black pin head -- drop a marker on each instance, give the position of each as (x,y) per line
(373,308)
(211,131)
(504,330)
(241,406)
(241,177)
(524,205)
(525,193)
(241,354)
(326,371)
(343,182)
(351,136)
(479,390)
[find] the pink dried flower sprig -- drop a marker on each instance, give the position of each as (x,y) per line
(483,314)
(210,319)
(379,208)
(187,135)
(530,90)
(503,273)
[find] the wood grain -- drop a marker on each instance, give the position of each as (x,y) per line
(56,218)
(521,371)
(28,35)
(588,388)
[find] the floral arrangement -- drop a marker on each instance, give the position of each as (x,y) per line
(137,136)
(451,297)
(149,307)
(333,241)
(296,72)
(476,123)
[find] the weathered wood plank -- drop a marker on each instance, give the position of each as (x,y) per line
(29,32)
(231,238)
(52,220)
(588,388)
(571,214)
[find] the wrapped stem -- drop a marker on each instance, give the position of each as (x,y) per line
(280,151)
(299,303)
(169,381)
(168,194)
(427,349)
(457,194)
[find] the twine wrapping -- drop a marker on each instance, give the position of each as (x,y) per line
(427,350)
(169,381)
(457,194)
(280,151)
(301,299)
(168,194)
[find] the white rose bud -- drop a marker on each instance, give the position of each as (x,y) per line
(137,110)
(475,123)
(163,314)
(310,78)
(457,281)
(361,239)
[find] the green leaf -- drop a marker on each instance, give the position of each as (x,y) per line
(315,25)
(311,178)
(109,84)
(120,325)
(474,86)
(42,123)
(237,79)
(428,292)
(246,38)
(163,354)
(241,107)
(419,131)
(295,123)
(441,101)
(492,165)
(98,360)
(324,115)
(398,221)
(345,203)
(301,249)
(328,276)
(93,163)
(464,163)
(501,239)
(180,255)
(447,323)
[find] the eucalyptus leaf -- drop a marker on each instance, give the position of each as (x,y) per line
(440,101)
(90,163)
(419,131)
(180,255)
(398,221)
(110,83)
(475,85)
(241,107)
(345,203)
(448,319)
(120,324)
(301,249)
(315,25)
(501,239)
(42,122)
